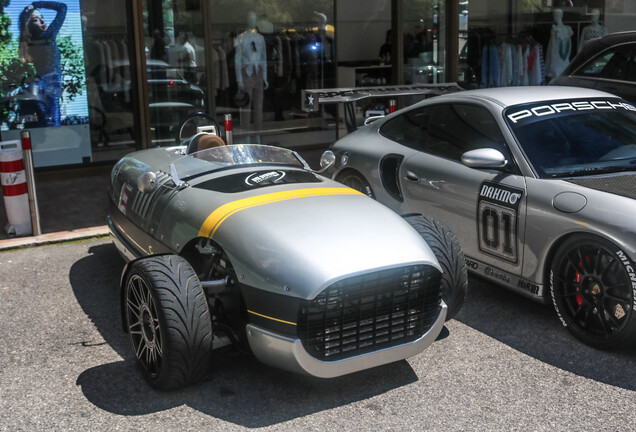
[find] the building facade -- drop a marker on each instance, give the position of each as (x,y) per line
(93,80)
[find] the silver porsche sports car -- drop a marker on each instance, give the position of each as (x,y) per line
(537,183)
(246,244)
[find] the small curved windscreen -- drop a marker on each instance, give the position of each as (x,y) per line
(222,157)
(567,138)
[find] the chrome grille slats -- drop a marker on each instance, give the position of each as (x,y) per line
(370,312)
(142,201)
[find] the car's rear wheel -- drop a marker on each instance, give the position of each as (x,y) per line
(592,291)
(356,181)
(168,319)
(445,246)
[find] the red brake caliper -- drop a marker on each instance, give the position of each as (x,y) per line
(577,279)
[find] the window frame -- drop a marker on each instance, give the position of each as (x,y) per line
(422,148)
(631,51)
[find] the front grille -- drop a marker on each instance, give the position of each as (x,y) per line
(141,203)
(370,312)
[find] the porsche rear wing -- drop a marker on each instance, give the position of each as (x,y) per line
(313,98)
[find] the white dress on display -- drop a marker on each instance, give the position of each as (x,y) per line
(559,50)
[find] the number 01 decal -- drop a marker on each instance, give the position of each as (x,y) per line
(497,214)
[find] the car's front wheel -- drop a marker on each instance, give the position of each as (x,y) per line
(591,282)
(356,181)
(168,320)
(445,246)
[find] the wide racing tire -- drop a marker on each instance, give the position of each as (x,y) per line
(593,292)
(445,246)
(168,320)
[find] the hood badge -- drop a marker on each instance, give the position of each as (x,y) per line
(256,179)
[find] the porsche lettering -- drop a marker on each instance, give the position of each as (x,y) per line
(551,109)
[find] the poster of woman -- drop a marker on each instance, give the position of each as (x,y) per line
(42,65)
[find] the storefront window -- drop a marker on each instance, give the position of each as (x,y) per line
(424,36)
(42,78)
(175,64)
(64,75)
(109,79)
(531,42)
(264,54)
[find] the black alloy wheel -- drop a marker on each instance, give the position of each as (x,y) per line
(592,292)
(143,325)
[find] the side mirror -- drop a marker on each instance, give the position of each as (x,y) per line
(484,158)
(327,159)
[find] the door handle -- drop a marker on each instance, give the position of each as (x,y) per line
(411,176)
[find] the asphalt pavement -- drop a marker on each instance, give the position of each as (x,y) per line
(505,363)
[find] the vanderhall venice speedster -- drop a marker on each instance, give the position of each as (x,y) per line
(247,243)
(538,185)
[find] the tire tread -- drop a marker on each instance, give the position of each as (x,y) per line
(447,250)
(183,311)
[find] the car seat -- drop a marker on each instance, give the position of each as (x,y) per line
(204,141)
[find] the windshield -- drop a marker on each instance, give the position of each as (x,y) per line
(576,138)
(222,157)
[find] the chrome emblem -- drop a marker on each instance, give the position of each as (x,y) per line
(596,289)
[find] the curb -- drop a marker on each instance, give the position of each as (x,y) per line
(51,238)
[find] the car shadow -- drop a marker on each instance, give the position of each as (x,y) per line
(534,329)
(240,389)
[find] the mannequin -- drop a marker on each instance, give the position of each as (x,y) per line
(559,47)
(251,72)
(593,31)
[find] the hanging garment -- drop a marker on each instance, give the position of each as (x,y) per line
(484,68)
(505,65)
(526,66)
(518,69)
(490,67)
(536,73)
(225,74)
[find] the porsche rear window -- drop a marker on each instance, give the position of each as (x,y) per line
(566,138)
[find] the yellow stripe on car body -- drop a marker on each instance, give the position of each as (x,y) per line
(218,216)
(271,318)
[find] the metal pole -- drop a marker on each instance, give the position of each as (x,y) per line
(228,129)
(30,179)
(451,65)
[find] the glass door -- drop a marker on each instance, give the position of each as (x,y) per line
(264,52)
(174,50)
(424,36)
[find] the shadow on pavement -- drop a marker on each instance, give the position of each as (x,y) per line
(240,389)
(534,329)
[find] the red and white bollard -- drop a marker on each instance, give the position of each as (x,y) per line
(14,188)
(25,136)
(392,105)
(228,129)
